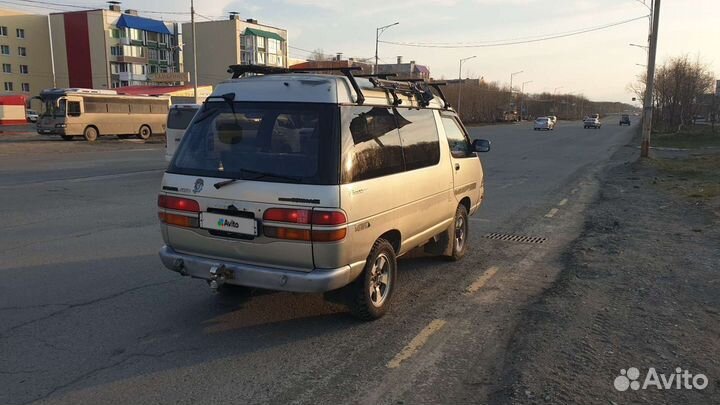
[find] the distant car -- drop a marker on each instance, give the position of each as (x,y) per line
(553,118)
(596,116)
(31,115)
(624,120)
(591,122)
(543,123)
(179,117)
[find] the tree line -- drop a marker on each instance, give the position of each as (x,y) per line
(683,92)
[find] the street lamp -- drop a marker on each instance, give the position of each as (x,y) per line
(460,80)
(511,80)
(640,46)
(378,31)
(522,95)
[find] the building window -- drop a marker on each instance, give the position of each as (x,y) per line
(152,54)
(8,86)
(25,87)
(7,68)
(154,69)
(163,39)
(116,50)
(24,69)
(117,33)
(163,55)
(115,85)
(3,31)
(20,33)
(22,51)
(4,49)
(136,35)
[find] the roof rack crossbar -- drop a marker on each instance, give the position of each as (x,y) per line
(378,75)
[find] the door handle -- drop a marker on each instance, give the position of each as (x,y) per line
(457,166)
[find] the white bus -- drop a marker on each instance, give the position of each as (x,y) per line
(92,113)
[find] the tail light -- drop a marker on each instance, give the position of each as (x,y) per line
(178,203)
(315,222)
(188,215)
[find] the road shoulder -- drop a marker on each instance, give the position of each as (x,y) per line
(639,288)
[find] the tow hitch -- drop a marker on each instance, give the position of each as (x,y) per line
(218,275)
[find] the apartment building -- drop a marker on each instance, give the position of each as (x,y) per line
(24,53)
(110,48)
(232,42)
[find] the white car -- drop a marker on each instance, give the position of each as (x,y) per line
(317,183)
(543,123)
(179,117)
(553,118)
(591,122)
(31,115)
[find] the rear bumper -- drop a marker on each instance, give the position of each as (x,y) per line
(317,280)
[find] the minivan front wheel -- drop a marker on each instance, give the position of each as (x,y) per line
(369,295)
(459,234)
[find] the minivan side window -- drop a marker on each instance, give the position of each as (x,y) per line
(419,136)
(370,143)
(460,146)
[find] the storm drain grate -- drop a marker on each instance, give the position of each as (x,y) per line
(515,238)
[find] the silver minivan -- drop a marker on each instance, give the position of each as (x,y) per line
(179,117)
(311,182)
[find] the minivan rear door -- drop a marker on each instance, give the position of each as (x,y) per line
(238,160)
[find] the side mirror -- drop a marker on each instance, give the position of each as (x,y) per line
(481,145)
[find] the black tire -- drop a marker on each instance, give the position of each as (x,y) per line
(459,234)
(67,137)
(144,133)
(90,134)
(368,297)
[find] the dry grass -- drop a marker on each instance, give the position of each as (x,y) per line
(696,178)
(697,137)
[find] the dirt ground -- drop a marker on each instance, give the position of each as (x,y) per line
(640,288)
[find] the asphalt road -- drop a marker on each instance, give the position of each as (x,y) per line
(89,315)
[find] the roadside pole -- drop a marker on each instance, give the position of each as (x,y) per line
(648,102)
(194,45)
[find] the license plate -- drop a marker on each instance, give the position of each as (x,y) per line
(228,223)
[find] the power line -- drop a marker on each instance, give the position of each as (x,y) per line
(546,37)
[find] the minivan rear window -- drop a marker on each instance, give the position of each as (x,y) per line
(273,142)
(179,118)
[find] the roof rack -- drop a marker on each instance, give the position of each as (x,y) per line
(378,75)
(418,88)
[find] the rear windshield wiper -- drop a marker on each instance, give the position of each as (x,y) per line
(258,175)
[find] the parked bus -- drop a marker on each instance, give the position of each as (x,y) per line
(92,113)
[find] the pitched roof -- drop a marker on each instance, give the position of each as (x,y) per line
(142,23)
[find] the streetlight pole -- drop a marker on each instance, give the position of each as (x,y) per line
(511,87)
(460,80)
(647,105)
(195,55)
(522,96)
(378,31)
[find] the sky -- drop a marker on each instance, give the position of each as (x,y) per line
(597,64)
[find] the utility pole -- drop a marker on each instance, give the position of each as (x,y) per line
(195,55)
(460,81)
(378,31)
(648,103)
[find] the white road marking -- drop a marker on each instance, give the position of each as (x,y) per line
(473,219)
(418,342)
(563,202)
(482,280)
(552,213)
